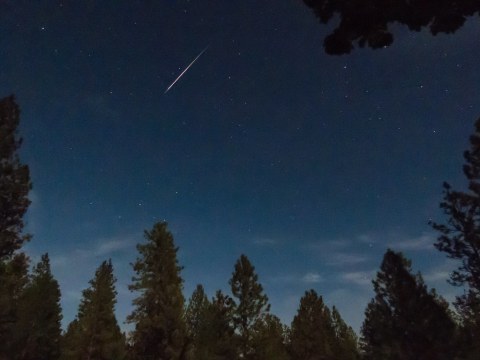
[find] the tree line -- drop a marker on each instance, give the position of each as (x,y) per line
(404,320)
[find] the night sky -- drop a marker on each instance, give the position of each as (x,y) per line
(312,165)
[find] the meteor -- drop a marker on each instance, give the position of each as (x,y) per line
(184,71)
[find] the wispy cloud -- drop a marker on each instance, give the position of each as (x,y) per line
(366,238)
(422,242)
(265,241)
(112,245)
(344,258)
(329,244)
(58,260)
(361,278)
(311,278)
(440,273)
(437,275)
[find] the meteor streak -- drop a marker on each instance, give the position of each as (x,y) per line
(184,71)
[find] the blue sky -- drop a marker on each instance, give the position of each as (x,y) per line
(311,165)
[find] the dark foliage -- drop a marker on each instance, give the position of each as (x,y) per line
(250,304)
(95,333)
(367,21)
(460,239)
(39,316)
(14,181)
(210,327)
(13,279)
(312,336)
(269,339)
(405,320)
(160,330)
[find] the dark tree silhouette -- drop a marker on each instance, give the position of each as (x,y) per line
(367,21)
(312,334)
(346,342)
(39,316)
(14,187)
(95,333)
(460,240)
(160,330)
(210,325)
(405,320)
(269,339)
(196,316)
(13,279)
(250,304)
(14,181)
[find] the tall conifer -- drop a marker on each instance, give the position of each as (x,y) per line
(460,239)
(405,320)
(312,335)
(14,181)
(95,334)
(212,328)
(39,316)
(160,331)
(14,188)
(346,342)
(269,339)
(13,279)
(250,304)
(197,317)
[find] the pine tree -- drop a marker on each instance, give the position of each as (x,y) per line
(95,334)
(14,187)
(14,181)
(269,339)
(39,316)
(346,343)
(250,306)
(405,320)
(196,311)
(460,240)
(311,335)
(196,317)
(13,279)
(214,333)
(160,330)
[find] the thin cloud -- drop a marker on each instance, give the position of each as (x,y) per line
(108,246)
(265,242)
(342,259)
(422,242)
(311,278)
(440,273)
(366,239)
(437,275)
(361,278)
(326,244)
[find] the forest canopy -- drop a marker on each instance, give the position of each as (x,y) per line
(368,22)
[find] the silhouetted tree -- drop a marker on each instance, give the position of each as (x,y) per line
(196,313)
(311,335)
(460,240)
(160,331)
(345,346)
(13,279)
(14,187)
(95,333)
(367,21)
(214,337)
(14,181)
(250,304)
(269,339)
(405,320)
(39,316)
